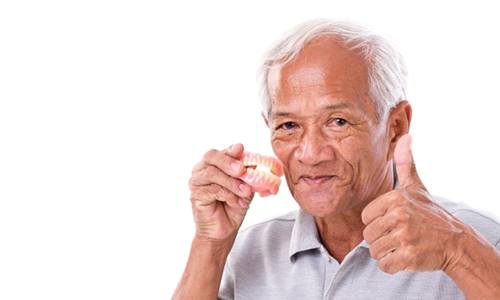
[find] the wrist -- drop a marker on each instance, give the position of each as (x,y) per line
(458,250)
(216,247)
(475,266)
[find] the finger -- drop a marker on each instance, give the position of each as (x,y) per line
(392,220)
(235,150)
(226,160)
(378,207)
(383,246)
(377,228)
(393,262)
(245,203)
(206,195)
(405,165)
(212,174)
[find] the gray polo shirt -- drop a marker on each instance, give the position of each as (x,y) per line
(283,258)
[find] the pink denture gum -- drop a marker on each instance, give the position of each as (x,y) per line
(262,173)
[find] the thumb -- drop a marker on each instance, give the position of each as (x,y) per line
(405,166)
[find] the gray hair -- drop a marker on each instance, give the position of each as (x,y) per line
(386,70)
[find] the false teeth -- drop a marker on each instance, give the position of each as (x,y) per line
(262,173)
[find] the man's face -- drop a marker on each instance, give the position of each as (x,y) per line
(325,131)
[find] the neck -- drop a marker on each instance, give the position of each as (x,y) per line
(342,232)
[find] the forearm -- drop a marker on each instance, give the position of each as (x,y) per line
(203,273)
(477,269)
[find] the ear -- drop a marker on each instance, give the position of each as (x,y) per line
(399,124)
(265,119)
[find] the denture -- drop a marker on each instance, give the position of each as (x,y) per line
(262,173)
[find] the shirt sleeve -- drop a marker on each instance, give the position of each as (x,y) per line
(226,290)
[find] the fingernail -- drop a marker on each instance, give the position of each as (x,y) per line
(236,167)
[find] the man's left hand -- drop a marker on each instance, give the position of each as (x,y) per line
(405,229)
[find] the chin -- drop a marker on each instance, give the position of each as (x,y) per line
(321,204)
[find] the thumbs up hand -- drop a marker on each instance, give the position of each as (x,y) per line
(405,229)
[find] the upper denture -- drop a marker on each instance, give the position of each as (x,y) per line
(263,182)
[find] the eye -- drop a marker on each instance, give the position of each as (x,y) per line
(287,126)
(339,121)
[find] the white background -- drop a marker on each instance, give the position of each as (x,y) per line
(105,106)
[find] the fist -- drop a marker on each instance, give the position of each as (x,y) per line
(405,229)
(219,199)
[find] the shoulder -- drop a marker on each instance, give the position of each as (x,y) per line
(266,237)
(277,227)
(486,223)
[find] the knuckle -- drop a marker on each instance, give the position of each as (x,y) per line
(226,160)
(404,236)
(365,216)
(210,172)
(384,266)
(214,189)
(232,197)
(198,166)
(409,256)
(218,194)
(401,215)
(210,154)
(195,196)
(367,234)
(400,200)
(391,270)
(409,252)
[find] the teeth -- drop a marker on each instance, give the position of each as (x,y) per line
(273,165)
(263,173)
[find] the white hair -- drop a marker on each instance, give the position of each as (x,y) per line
(386,70)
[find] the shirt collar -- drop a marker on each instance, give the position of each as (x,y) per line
(305,235)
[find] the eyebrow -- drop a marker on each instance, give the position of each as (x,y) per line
(336,106)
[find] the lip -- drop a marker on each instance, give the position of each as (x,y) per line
(315,180)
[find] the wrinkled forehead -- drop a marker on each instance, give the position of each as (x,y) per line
(324,71)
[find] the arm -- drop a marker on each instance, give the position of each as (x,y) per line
(407,231)
(203,273)
(477,268)
(219,203)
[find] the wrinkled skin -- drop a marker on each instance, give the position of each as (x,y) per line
(219,199)
(344,142)
(338,158)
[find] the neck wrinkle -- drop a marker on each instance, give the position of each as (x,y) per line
(341,233)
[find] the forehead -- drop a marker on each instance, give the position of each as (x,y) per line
(323,73)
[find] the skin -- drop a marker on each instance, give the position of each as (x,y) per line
(323,123)
(338,157)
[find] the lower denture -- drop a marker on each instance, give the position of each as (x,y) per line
(263,182)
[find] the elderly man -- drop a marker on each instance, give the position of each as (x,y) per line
(367,227)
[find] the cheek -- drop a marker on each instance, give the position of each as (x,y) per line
(361,155)
(351,149)
(368,159)
(282,150)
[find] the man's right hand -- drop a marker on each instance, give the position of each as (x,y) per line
(219,199)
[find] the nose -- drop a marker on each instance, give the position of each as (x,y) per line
(313,149)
